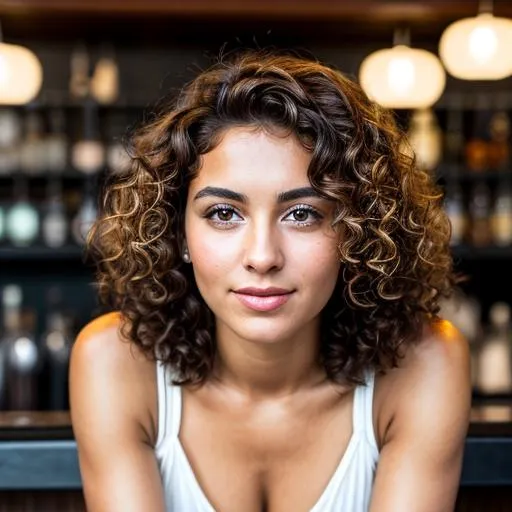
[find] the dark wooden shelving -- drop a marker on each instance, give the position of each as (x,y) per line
(42,253)
(468,252)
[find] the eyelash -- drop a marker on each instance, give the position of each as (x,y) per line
(226,207)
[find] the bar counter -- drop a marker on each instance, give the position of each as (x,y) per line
(38,454)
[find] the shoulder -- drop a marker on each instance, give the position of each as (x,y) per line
(113,374)
(433,378)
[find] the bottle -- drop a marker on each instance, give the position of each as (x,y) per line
(477,147)
(425,138)
(10,139)
(88,152)
(57,143)
(22,354)
(56,348)
(86,215)
(494,365)
(118,159)
(55,222)
(499,128)
(454,137)
(456,211)
(480,215)
(11,304)
(22,218)
(501,219)
(33,146)
(104,85)
(79,73)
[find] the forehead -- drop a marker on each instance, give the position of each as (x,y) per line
(249,157)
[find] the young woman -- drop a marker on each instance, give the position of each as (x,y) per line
(274,261)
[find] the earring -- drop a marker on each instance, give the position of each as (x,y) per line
(186,256)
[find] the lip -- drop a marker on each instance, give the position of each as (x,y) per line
(263,292)
(263,302)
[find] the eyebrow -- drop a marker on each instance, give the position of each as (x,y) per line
(283,197)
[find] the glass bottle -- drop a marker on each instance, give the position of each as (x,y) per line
(33,145)
(10,139)
(454,135)
(499,129)
(57,143)
(22,218)
(425,138)
(56,347)
(88,152)
(104,85)
(494,364)
(86,215)
(456,211)
(79,72)
(22,354)
(480,215)
(477,147)
(501,220)
(54,222)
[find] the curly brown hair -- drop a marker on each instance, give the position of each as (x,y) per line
(393,233)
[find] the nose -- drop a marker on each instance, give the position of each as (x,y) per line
(262,249)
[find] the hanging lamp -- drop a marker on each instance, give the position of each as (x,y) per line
(401,76)
(478,48)
(21,74)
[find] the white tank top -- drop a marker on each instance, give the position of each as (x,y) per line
(349,488)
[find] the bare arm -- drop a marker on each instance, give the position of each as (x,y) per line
(421,458)
(110,411)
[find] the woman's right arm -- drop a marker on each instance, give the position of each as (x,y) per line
(113,404)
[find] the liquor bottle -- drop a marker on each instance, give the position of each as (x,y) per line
(477,147)
(22,218)
(104,85)
(456,211)
(499,128)
(494,365)
(501,219)
(86,215)
(454,135)
(118,159)
(11,306)
(10,138)
(79,73)
(23,356)
(56,347)
(57,143)
(88,152)
(33,145)
(425,138)
(54,223)
(480,215)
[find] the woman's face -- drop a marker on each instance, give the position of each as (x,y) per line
(253,221)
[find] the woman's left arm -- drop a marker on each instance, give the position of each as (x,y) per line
(421,456)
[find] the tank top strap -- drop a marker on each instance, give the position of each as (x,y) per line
(169,404)
(363,408)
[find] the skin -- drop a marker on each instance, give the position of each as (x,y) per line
(267,430)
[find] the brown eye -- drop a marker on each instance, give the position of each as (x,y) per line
(301,215)
(225,214)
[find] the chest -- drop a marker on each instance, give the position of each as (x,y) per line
(270,456)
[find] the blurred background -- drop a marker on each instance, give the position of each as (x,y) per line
(76,76)
(86,72)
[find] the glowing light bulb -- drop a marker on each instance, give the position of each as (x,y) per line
(401,76)
(483,43)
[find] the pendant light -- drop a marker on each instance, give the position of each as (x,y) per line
(478,48)
(21,74)
(402,77)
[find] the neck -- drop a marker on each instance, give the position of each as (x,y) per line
(263,370)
